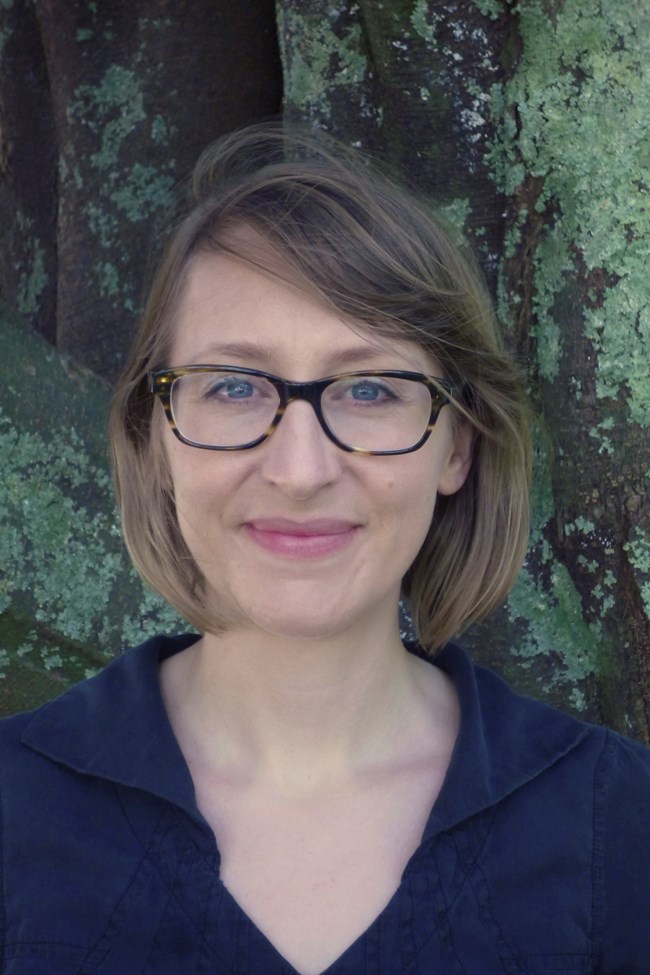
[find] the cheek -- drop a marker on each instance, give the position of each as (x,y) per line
(408,501)
(418,496)
(184,464)
(194,490)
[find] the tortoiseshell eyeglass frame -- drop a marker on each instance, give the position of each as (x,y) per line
(441,391)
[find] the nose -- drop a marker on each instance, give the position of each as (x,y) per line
(299,458)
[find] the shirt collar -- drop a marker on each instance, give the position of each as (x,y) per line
(115,726)
(505,740)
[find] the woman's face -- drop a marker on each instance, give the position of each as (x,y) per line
(296,536)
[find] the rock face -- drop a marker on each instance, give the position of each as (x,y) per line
(526,124)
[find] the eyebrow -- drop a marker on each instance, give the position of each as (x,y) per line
(265,353)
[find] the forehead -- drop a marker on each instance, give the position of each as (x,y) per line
(235,313)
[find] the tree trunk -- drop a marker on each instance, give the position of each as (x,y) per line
(526,124)
(69,598)
(105,107)
(529,125)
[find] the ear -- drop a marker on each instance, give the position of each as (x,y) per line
(459,458)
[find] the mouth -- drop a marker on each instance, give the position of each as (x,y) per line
(315,538)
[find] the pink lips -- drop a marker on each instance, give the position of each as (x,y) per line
(307,539)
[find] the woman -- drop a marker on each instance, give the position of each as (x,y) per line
(317,417)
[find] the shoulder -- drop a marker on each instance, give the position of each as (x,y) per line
(105,729)
(511,746)
(622,799)
(621,855)
(83,784)
(557,812)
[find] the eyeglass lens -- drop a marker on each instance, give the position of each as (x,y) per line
(222,409)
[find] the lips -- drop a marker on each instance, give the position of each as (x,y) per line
(314,538)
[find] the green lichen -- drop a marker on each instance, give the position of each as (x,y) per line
(554,628)
(145,192)
(50,547)
(83,34)
(590,565)
(112,109)
(638,553)
(423,21)
(545,605)
(150,616)
(571,154)
(581,98)
(318,60)
(600,435)
(490,8)
(68,597)
(161,130)
(67,558)
(104,225)
(551,255)
(454,214)
(582,525)
(34,282)
(146,24)
(620,331)
(108,279)
(513,234)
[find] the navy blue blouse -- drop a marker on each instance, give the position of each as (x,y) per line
(535,858)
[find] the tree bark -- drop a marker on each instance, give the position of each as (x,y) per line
(28,158)
(529,125)
(526,124)
(109,109)
(69,599)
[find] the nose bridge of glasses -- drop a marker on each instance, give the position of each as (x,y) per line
(308,392)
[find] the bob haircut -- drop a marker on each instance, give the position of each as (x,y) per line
(354,240)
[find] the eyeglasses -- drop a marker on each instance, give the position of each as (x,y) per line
(218,407)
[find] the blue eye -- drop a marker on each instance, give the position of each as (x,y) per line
(371,391)
(231,389)
(353,392)
(365,391)
(237,389)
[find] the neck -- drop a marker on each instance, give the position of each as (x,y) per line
(300,713)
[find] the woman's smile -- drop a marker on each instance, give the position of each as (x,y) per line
(313,539)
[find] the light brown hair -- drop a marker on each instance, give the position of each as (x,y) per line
(359,242)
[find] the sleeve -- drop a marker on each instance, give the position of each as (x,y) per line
(622,859)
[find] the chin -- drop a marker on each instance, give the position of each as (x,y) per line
(298,627)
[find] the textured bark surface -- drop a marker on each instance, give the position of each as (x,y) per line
(573,154)
(409,83)
(105,107)
(527,126)
(69,598)
(28,180)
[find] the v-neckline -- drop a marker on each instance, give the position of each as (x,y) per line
(342,964)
